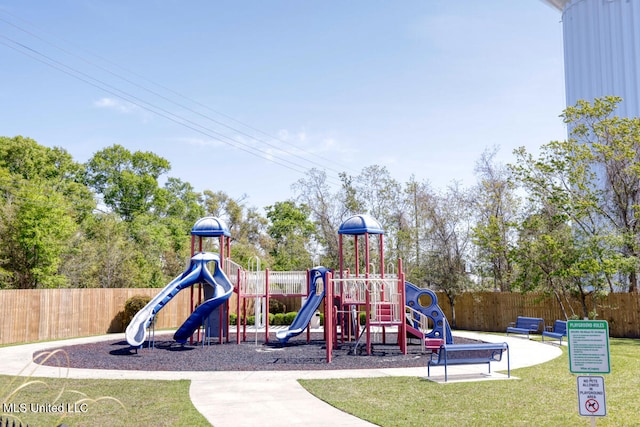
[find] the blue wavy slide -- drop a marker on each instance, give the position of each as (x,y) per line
(441,327)
(316,295)
(197,272)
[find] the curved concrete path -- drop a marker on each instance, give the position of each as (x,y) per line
(273,398)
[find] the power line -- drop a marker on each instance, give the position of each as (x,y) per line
(191,110)
(97,83)
(159,111)
(174,117)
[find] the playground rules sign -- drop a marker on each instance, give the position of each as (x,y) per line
(588,346)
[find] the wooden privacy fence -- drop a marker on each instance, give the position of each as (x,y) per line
(492,311)
(46,314)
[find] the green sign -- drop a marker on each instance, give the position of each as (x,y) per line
(588,346)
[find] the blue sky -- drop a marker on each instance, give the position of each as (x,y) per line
(421,87)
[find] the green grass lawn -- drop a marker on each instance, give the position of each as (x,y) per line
(545,395)
(98,402)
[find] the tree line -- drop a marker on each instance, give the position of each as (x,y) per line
(563,221)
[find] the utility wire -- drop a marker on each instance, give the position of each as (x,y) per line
(97,83)
(207,117)
(159,95)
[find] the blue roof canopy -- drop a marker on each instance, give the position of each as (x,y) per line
(210,226)
(360,224)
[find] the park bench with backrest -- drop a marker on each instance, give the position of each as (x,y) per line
(558,331)
(468,354)
(525,326)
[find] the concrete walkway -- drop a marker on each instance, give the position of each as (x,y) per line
(274,398)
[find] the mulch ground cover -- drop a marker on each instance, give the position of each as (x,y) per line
(249,355)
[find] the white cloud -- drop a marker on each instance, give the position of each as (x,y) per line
(120,106)
(283,134)
(200,142)
(304,143)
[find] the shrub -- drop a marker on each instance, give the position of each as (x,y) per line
(132,306)
(276,306)
(289,317)
(233,319)
(363,319)
(278,319)
(248,320)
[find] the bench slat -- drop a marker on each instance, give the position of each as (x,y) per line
(484,346)
(552,335)
(454,361)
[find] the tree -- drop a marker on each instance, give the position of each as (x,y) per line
(381,197)
(565,222)
(576,178)
(105,256)
(585,247)
(496,206)
(176,207)
(151,242)
(220,205)
(327,214)
(413,243)
(37,228)
(128,181)
(450,218)
(545,253)
(178,200)
(378,192)
(350,199)
(614,148)
(291,231)
(24,160)
(42,205)
(246,225)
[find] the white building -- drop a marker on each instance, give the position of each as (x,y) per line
(602,51)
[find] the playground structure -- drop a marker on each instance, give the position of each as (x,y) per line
(380,298)
(385,301)
(211,290)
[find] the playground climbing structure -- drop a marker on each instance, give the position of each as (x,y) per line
(362,303)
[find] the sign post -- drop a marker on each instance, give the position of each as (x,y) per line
(589,354)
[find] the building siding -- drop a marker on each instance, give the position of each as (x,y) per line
(602,52)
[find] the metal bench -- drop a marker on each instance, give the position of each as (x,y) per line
(474,354)
(526,326)
(558,331)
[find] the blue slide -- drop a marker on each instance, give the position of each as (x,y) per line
(414,299)
(223,289)
(316,295)
(197,272)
